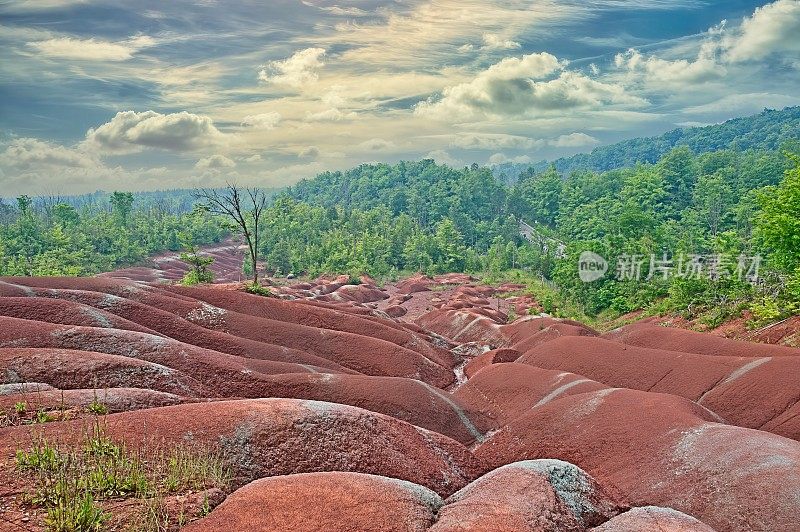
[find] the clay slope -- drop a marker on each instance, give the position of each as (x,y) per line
(453,415)
(648,335)
(526,496)
(662,450)
(746,391)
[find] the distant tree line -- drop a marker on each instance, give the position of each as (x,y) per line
(51,236)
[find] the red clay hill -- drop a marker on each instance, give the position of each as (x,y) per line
(431,404)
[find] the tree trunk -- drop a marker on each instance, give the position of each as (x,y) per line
(255,269)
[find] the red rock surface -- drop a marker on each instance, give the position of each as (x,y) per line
(528,496)
(435,403)
(334,502)
(532,495)
(495,356)
(113,399)
(268,437)
(647,335)
(503,392)
(653,519)
(746,391)
(168,267)
(662,450)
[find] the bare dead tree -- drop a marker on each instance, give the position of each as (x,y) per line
(47,201)
(232,201)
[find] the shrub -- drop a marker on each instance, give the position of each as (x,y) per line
(97,408)
(199,272)
(259,290)
(42,416)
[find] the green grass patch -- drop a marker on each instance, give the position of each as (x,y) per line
(71,480)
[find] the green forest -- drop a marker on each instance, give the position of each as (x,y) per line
(389,219)
(705,233)
(91,234)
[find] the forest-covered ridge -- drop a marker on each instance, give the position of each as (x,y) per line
(725,206)
(769,130)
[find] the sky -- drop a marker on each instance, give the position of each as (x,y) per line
(121,95)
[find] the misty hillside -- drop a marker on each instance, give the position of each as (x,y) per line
(768,130)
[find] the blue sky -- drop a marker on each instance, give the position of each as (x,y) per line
(100,94)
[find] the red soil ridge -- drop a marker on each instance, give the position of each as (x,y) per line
(421,405)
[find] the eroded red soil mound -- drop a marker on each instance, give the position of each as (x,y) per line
(429,404)
(745,391)
(342,502)
(653,519)
(268,437)
(647,335)
(662,450)
(529,495)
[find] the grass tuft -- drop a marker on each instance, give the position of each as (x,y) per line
(73,480)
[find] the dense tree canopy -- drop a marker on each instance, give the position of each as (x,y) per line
(685,210)
(55,238)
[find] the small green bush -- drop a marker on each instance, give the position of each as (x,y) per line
(199,272)
(97,408)
(259,290)
(41,416)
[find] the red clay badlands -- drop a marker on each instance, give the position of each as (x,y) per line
(414,406)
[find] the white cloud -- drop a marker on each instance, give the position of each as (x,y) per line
(743,104)
(156,171)
(336,96)
(214,161)
(772,28)
(349,11)
(509,88)
(501,141)
(443,157)
(130,132)
(262,120)
(422,34)
(287,175)
(500,158)
(533,66)
(494,141)
(680,71)
(32,166)
(495,42)
(377,145)
(297,71)
(91,49)
(23,6)
(252,159)
(309,152)
(23,153)
(330,115)
(574,140)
